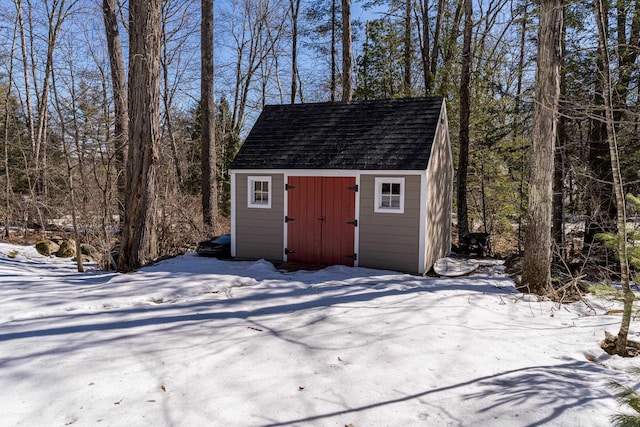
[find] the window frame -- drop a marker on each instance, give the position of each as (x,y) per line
(251,180)
(379,182)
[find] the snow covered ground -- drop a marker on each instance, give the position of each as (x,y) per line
(201,342)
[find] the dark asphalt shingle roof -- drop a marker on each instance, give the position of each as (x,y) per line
(366,135)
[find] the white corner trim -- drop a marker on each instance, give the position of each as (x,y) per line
(233,215)
(422,233)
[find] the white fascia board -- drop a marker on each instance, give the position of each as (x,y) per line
(325,172)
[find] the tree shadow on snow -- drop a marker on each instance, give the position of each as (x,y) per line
(548,385)
(317,295)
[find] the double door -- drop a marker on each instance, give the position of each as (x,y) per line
(321,220)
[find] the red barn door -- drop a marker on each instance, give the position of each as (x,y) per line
(304,227)
(321,220)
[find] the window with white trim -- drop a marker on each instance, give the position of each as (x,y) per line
(259,192)
(389,196)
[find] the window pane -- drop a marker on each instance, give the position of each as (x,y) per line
(260,194)
(386,188)
(395,188)
(385,201)
(395,202)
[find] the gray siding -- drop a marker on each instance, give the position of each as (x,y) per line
(439,198)
(389,240)
(259,232)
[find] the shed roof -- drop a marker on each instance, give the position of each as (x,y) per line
(392,134)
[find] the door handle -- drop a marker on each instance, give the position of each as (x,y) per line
(321,219)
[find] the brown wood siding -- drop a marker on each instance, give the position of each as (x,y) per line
(439,198)
(259,232)
(389,240)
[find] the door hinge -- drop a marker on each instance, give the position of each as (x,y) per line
(354,222)
(288,187)
(288,251)
(288,219)
(354,256)
(354,188)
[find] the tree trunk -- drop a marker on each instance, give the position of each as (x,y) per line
(294,8)
(465,113)
(518,128)
(121,111)
(424,46)
(70,177)
(346,51)
(334,77)
(536,272)
(408,49)
(621,343)
(558,194)
(557,230)
(207,117)
(138,244)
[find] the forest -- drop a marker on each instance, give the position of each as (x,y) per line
(76,115)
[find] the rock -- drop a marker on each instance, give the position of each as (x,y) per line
(47,247)
(90,251)
(513,265)
(67,249)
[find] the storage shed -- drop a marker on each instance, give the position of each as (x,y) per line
(365,184)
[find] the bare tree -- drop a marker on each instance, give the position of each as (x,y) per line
(621,342)
(256,28)
(430,61)
(347,52)
(138,244)
(70,167)
(536,274)
(294,8)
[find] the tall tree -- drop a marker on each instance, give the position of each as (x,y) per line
(207,117)
(138,245)
(536,273)
(347,51)
(7,117)
(70,175)
(333,84)
(629,296)
(626,32)
(465,115)
(408,49)
(119,85)
(294,8)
